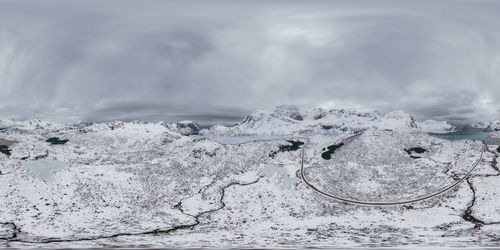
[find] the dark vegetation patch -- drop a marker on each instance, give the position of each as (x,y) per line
(498,149)
(417,150)
(295,145)
(56,141)
(327,127)
(408,207)
(5,149)
(297,117)
(327,155)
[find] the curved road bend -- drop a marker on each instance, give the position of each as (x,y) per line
(376,203)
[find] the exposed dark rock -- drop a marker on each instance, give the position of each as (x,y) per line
(318,113)
(291,111)
(5,149)
(249,119)
(184,127)
(38,157)
(8,231)
(188,127)
(56,141)
(297,117)
(417,150)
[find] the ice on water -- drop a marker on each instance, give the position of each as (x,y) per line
(270,170)
(44,169)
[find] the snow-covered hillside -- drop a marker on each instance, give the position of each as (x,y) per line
(478,125)
(494,126)
(433,126)
(173,184)
(494,129)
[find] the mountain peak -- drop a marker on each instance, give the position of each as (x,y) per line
(397,120)
(290,111)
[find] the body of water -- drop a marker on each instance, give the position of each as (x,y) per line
(469,134)
(6,142)
(288,181)
(44,169)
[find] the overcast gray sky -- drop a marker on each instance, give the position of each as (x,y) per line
(158,60)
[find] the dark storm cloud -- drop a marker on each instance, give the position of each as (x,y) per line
(155,60)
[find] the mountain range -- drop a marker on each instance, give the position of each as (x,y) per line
(136,184)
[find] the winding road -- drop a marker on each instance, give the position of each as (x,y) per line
(377,203)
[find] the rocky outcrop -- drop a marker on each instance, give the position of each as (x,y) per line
(184,127)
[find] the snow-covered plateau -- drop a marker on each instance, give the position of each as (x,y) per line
(142,184)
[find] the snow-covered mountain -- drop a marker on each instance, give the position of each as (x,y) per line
(397,120)
(433,126)
(290,120)
(494,126)
(478,125)
(183,127)
(174,184)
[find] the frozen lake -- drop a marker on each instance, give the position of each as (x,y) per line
(270,170)
(469,134)
(44,169)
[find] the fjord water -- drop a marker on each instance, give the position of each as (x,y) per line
(469,134)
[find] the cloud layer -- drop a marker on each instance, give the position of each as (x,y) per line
(160,60)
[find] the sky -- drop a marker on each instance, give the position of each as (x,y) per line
(215,61)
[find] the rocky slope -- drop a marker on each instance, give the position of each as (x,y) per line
(171,184)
